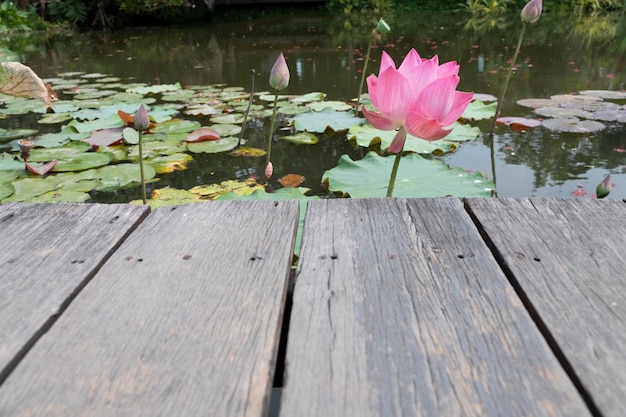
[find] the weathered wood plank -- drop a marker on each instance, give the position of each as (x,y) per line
(568,258)
(400,309)
(183,320)
(49,252)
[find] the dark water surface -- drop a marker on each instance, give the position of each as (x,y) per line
(560,54)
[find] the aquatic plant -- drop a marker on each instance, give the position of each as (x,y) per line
(279,80)
(419,97)
(381,28)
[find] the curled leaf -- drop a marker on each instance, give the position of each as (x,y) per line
(40,170)
(19,80)
(291,180)
(202,134)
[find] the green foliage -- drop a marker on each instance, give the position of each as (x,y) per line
(73,11)
(14,20)
(595,6)
(350,7)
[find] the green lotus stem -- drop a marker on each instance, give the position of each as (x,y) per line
(367,58)
(394,172)
(141,172)
(245,117)
(269,140)
(508,78)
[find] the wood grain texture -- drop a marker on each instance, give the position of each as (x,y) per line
(183,320)
(400,310)
(49,252)
(568,257)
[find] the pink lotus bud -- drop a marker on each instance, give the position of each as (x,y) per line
(142,119)
(279,76)
(269,170)
(531,12)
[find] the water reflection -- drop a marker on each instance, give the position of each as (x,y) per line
(559,55)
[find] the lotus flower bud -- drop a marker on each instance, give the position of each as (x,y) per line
(279,76)
(604,188)
(142,119)
(269,170)
(531,12)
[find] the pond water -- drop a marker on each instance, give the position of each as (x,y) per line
(559,55)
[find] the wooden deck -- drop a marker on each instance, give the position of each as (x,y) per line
(398,307)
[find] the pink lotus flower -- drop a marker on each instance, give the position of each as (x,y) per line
(419,97)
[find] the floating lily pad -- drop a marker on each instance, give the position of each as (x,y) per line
(176,126)
(478,110)
(325,119)
(293,110)
(10,134)
(9,164)
(81,162)
(417,177)
(28,188)
(170,196)
(154,89)
(605,94)
(535,103)
(333,105)
(202,134)
(226,129)
(53,118)
(70,150)
(367,136)
(214,146)
(203,109)
(562,112)
(233,118)
(170,163)
(573,125)
(518,123)
(61,196)
(6,189)
(114,177)
(248,152)
(309,97)
(301,138)
(212,191)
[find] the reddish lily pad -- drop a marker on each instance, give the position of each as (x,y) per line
(202,134)
(291,180)
(105,137)
(40,169)
(518,123)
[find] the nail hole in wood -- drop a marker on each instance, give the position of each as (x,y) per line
(536,259)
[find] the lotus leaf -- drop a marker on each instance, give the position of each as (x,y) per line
(154,89)
(573,125)
(417,177)
(51,140)
(232,118)
(82,162)
(112,120)
(293,110)
(53,118)
(9,164)
(6,189)
(203,109)
(7,135)
(226,129)
(605,94)
(69,150)
(176,126)
(114,177)
(214,146)
(249,152)
(478,110)
(28,188)
(369,136)
(170,163)
(327,118)
(169,197)
(301,138)
(213,191)
(61,196)
(334,105)
(309,97)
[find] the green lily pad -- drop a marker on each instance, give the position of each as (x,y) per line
(10,134)
(154,89)
(6,189)
(53,118)
(333,105)
(7,163)
(176,126)
(98,124)
(214,146)
(301,138)
(170,163)
(477,110)
(367,136)
(81,162)
(28,188)
(232,118)
(61,196)
(417,177)
(114,177)
(64,152)
(309,97)
(326,119)
(169,197)
(293,110)
(226,129)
